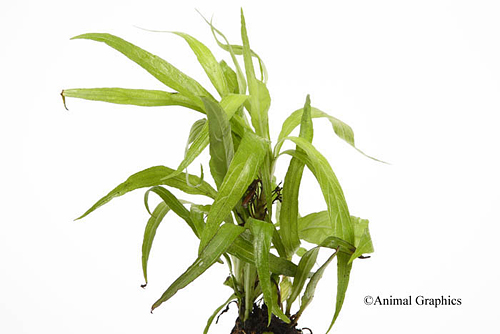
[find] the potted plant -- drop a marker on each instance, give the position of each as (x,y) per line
(253,223)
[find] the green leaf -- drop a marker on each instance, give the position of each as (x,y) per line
(241,173)
(137,97)
(343,273)
(231,78)
(332,192)
(316,228)
(230,104)
(362,238)
(260,99)
(242,86)
(149,234)
(156,66)
(195,131)
(197,214)
(290,205)
(337,243)
(236,50)
(285,288)
(221,142)
(207,60)
(341,129)
(153,176)
(304,269)
(262,237)
(243,250)
(212,317)
(214,249)
(174,204)
(249,279)
(311,286)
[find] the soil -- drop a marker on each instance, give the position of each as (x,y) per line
(257,324)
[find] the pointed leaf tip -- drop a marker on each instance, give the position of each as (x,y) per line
(64,99)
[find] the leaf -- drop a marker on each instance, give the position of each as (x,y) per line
(137,97)
(249,279)
(285,288)
(149,234)
(262,237)
(290,205)
(156,66)
(316,228)
(153,176)
(243,250)
(214,249)
(311,286)
(239,73)
(212,317)
(341,129)
(174,204)
(236,49)
(362,238)
(208,62)
(343,273)
(230,104)
(197,213)
(241,173)
(303,270)
(195,131)
(260,99)
(339,244)
(221,142)
(332,192)
(231,78)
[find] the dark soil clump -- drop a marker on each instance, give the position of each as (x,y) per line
(257,324)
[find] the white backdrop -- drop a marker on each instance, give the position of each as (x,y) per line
(417,81)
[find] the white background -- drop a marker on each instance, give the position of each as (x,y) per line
(418,81)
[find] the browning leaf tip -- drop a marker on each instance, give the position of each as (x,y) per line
(64,100)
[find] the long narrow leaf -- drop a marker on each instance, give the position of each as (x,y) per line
(215,248)
(343,273)
(341,129)
(208,62)
(313,283)
(305,265)
(156,66)
(290,206)
(231,78)
(230,104)
(221,142)
(243,250)
(236,49)
(332,192)
(242,86)
(149,234)
(241,173)
(174,204)
(136,97)
(259,95)
(249,279)
(154,176)
(195,131)
(212,317)
(262,236)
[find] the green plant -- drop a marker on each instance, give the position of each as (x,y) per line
(238,227)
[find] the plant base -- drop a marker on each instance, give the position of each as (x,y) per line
(257,324)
